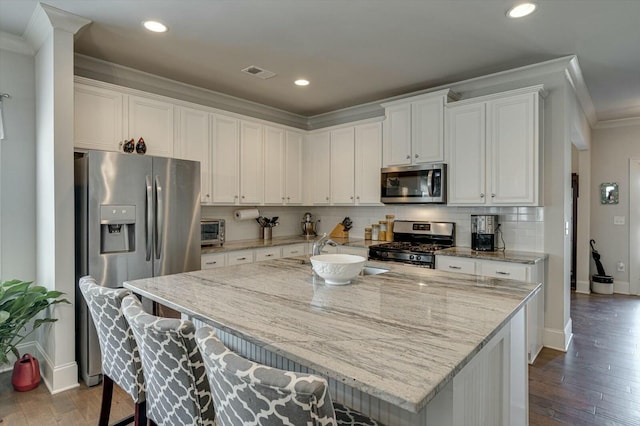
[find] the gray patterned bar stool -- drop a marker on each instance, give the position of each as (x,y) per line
(120,358)
(177,386)
(245,392)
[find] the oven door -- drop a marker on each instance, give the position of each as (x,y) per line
(414,184)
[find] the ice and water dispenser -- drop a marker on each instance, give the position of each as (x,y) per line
(117,228)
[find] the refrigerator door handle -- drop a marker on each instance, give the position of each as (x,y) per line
(149,222)
(159,217)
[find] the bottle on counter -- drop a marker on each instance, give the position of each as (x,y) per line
(375,232)
(367,233)
(382,236)
(390,218)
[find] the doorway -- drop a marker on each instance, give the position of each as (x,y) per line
(634,226)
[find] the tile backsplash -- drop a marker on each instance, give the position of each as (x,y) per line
(522,227)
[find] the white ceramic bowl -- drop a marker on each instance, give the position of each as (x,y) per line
(337,269)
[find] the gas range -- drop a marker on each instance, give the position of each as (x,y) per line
(415,243)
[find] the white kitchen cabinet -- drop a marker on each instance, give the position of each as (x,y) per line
(294,250)
(414,129)
(293,168)
(534,273)
(239,257)
(268,253)
(98,118)
(212,260)
(342,166)
(225,143)
(493,149)
(274,160)
(368,160)
(317,158)
(152,120)
(251,163)
(282,166)
(193,144)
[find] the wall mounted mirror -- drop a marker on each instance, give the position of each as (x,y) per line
(609,193)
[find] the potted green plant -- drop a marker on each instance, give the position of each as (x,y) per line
(21,302)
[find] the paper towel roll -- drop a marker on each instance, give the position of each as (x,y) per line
(247,214)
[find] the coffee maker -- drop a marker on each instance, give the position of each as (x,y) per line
(483,232)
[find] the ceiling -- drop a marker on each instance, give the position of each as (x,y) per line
(356,51)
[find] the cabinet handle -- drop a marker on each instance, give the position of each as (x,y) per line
(482,195)
(351,197)
(243,197)
(417,156)
(503,273)
(235,196)
(242,258)
(282,198)
(358,197)
(293,252)
(268,255)
(327,198)
(493,195)
(454,267)
(288,198)
(408,157)
(210,263)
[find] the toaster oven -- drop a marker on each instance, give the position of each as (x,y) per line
(212,232)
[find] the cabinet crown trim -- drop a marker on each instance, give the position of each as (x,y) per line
(449,95)
(539,88)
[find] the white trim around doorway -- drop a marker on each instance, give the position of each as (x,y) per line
(634,226)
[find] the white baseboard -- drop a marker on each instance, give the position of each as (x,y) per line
(621,287)
(558,339)
(57,378)
(583,287)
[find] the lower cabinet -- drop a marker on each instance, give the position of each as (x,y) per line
(534,311)
(213,260)
(238,257)
(269,253)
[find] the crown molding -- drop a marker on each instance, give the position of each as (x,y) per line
(574,75)
(97,69)
(15,44)
(623,122)
(45,18)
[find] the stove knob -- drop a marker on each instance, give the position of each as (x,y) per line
(411,257)
(418,257)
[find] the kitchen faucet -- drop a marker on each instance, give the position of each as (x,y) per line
(318,245)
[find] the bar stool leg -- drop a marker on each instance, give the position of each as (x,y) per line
(105,408)
(140,417)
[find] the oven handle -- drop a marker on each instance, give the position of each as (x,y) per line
(430,183)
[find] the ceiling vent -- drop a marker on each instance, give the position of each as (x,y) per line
(258,72)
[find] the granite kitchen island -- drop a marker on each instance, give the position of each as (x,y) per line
(410,346)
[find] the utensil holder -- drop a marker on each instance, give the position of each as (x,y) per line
(266,233)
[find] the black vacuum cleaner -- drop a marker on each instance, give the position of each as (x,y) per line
(601,282)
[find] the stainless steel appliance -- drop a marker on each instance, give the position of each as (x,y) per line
(483,232)
(212,232)
(415,243)
(422,184)
(136,217)
(308,225)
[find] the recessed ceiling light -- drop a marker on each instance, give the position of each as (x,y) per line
(521,10)
(155,26)
(301,82)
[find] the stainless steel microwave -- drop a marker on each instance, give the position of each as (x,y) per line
(426,183)
(212,232)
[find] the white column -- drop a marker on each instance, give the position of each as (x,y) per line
(50,33)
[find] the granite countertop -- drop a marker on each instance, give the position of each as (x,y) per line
(283,241)
(401,335)
(524,257)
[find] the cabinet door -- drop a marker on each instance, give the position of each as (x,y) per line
(193,144)
(318,160)
(239,257)
(456,264)
(152,120)
(368,162)
(274,166)
(293,168)
(466,145)
(251,163)
(224,159)
(342,166)
(268,254)
(397,136)
(427,130)
(293,250)
(507,270)
(512,150)
(97,118)
(212,260)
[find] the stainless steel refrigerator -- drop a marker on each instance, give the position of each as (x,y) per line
(136,217)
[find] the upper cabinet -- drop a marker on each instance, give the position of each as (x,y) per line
(251,163)
(368,161)
(493,149)
(192,143)
(414,129)
(97,118)
(292,168)
(282,166)
(225,148)
(317,162)
(152,120)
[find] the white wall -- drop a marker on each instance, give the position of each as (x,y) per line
(611,150)
(17,168)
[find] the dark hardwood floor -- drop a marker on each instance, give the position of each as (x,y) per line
(597,382)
